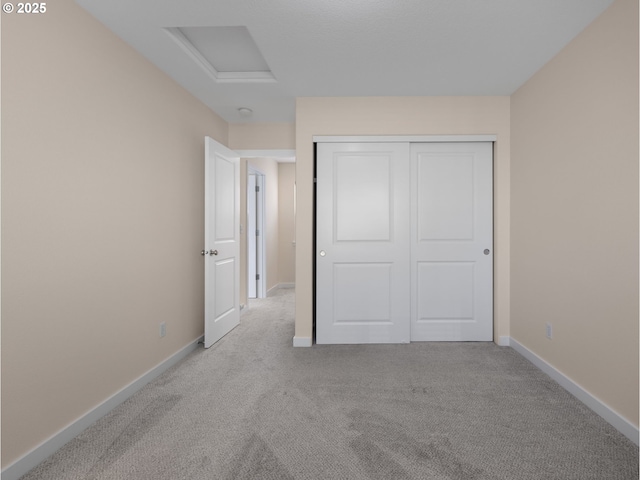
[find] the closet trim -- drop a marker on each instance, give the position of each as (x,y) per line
(405,138)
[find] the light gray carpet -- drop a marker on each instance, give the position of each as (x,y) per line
(253,407)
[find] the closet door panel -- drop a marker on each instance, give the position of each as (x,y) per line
(452,242)
(362,243)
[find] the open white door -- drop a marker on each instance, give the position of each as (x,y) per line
(221,241)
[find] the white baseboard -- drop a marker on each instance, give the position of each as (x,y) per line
(302,341)
(504,341)
(605,411)
(279,286)
(47,448)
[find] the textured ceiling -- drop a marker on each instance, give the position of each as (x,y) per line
(354,47)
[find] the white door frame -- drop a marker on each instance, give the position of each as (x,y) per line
(260,243)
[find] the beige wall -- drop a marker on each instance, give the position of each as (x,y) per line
(574,210)
(286,253)
(102,219)
(262,136)
(400,116)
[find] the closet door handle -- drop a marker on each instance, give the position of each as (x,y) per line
(213,252)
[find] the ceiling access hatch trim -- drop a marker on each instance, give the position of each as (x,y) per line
(219,77)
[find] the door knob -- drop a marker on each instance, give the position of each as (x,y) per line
(203,252)
(487,251)
(213,252)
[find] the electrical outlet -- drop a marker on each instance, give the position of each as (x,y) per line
(549,331)
(163,329)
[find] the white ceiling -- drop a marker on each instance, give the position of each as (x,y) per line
(352,47)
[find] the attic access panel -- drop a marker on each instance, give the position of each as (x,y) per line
(227,54)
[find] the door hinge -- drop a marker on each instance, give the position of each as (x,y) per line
(257,188)
(257,233)
(315,180)
(257,276)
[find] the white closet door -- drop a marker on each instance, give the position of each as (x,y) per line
(452,241)
(362,243)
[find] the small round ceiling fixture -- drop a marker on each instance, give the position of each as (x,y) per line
(245,112)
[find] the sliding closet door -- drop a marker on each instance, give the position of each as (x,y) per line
(451,242)
(362,243)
